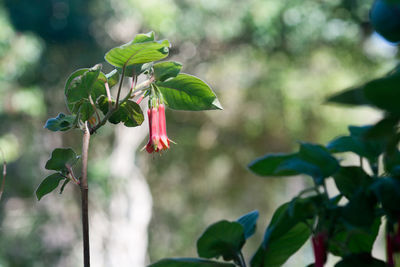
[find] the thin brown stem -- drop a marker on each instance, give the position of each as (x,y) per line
(85,197)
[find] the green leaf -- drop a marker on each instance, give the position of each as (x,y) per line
(189,262)
(283,237)
(222,238)
(86,110)
(80,86)
(136,69)
(349,179)
(186,92)
(353,96)
(384,92)
(387,190)
(384,128)
(128,112)
(143,37)
(392,163)
(60,123)
(360,260)
(268,165)
(137,52)
(248,221)
(112,78)
(165,70)
(48,185)
(360,211)
(60,157)
(313,160)
(345,240)
(358,143)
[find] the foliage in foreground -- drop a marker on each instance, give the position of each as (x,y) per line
(345,225)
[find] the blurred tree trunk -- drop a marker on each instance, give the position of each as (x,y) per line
(120,238)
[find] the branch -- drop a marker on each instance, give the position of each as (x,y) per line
(85,197)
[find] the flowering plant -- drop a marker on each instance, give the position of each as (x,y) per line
(91,104)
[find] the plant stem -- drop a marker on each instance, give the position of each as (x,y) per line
(85,197)
(241,260)
(119,88)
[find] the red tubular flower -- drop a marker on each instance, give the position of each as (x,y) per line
(318,242)
(164,140)
(154,138)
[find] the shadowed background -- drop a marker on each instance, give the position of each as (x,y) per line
(271,63)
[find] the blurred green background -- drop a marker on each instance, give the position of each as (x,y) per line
(272,63)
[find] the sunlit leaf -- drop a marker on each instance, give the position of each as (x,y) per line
(187,92)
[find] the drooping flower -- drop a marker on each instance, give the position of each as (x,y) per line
(164,140)
(154,138)
(319,247)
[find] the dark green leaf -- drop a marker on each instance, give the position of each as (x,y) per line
(189,262)
(360,211)
(80,86)
(48,185)
(60,123)
(349,179)
(313,160)
(358,143)
(60,157)
(392,163)
(186,92)
(387,190)
(248,221)
(284,236)
(128,112)
(137,52)
(222,238)
(165,70)
(360,260)
(268,165)
(384,92)
(383,128)
(354,96)
(345,241)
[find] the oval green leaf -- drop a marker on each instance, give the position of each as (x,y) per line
(187,92)
(60,158)
(48,185)
(137,53)
(222,238)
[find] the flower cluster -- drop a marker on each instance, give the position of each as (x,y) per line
(158,139)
